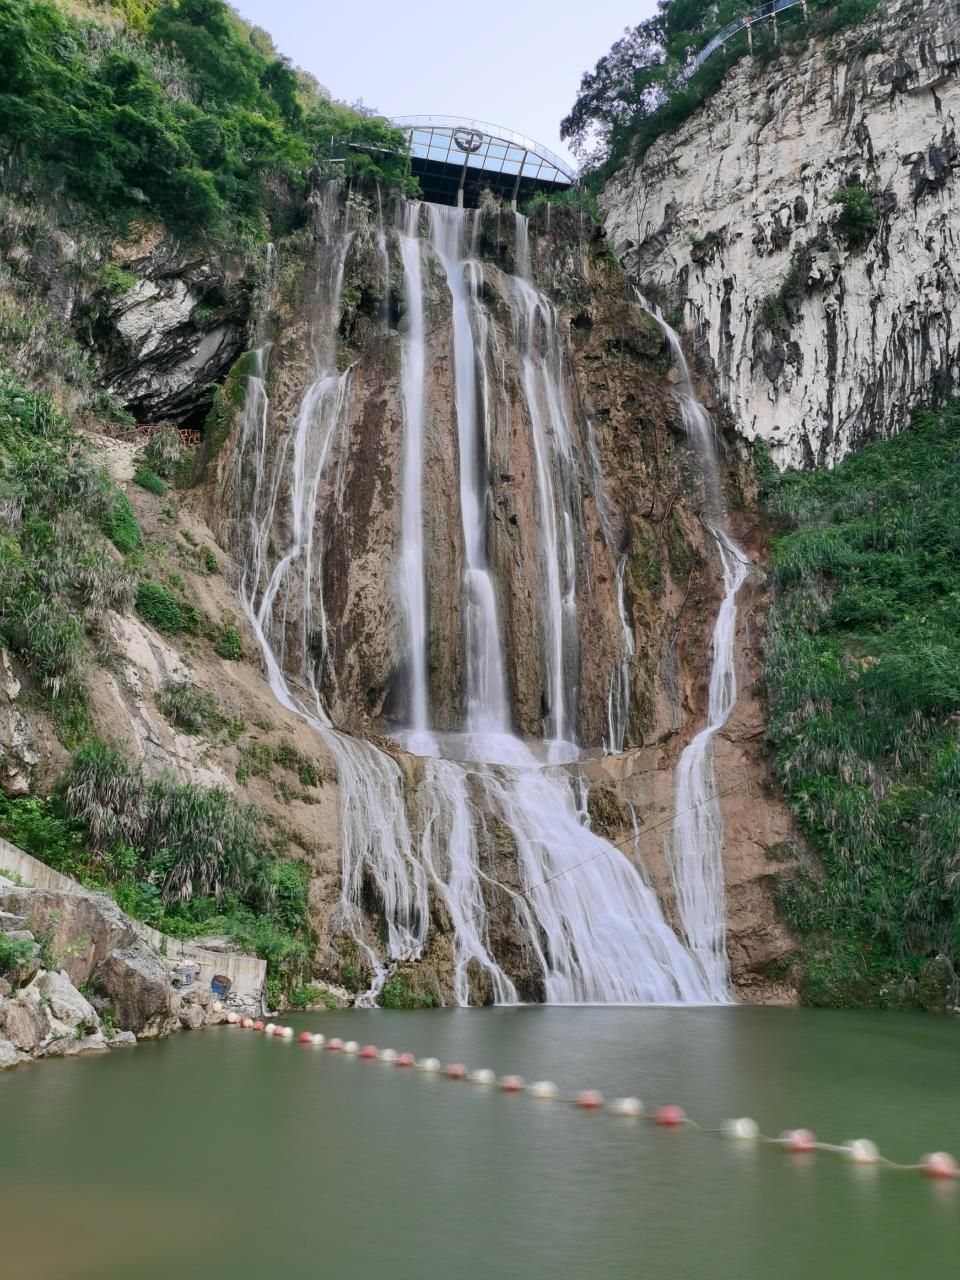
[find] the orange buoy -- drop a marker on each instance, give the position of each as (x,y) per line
(335,1044)
(512,1084)
(305,1037)
(455,1071)
(368,1051)
(670,1116)
(799,1141)
(588,1100)
(940,1164)
(404,1060)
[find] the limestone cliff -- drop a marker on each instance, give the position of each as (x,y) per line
(817,339)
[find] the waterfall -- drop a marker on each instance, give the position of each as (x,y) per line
(487,710)
(592,927)
(413,587)
(552,436)
(375,836)
(618,699)
(588,927)
(695,848)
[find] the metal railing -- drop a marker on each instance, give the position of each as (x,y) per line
(760,14)
(495,131)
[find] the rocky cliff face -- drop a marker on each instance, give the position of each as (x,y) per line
(635,512)
(817,342)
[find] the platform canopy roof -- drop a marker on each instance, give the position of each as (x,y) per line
(456,158)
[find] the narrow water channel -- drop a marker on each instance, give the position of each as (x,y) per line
(226,1154)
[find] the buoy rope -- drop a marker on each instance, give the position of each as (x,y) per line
(939,1164)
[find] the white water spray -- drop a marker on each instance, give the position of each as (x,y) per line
(695,848)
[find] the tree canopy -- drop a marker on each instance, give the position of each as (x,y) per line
(175,108)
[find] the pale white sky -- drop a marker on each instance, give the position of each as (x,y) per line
(513,62)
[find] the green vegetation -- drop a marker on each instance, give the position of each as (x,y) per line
(858,218)
(784,305)
(302,997)
(400,992)
(862,670)
(188,860)
(229,643)
(185,113)
(14,956)
(259,759)
(149,480)
(189,708)
(58,571)
(635,92)
(160,609)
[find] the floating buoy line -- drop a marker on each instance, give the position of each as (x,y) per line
(800,1142)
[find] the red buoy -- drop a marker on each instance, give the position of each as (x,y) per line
(940,1164)
(368,1051)
(799,1141)
(258,1025)
(455,1071)
(588,1100)
(278,1031)
(669,1117)
(512,1084)
(305,1037)
(404,1060)
(334,1044)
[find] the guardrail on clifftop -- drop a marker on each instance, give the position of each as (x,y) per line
(746,23)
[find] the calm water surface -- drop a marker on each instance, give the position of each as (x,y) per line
(225,1154)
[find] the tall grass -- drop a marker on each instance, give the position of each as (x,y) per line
(862,669)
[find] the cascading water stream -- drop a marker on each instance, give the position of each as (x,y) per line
(374,832)
(413,586)
(695,849)
(591,924)
(618,699)
(551,433)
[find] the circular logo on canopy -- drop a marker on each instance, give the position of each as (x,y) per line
(468,140)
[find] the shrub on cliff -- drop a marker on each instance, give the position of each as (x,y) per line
(190,116)
(862,670)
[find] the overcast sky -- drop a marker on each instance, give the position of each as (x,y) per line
(513,62)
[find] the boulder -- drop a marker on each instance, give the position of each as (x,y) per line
(191,1017)
(73,1047)
(24,1023)
(121,1040)
(133,981)
(79,927)
(65,1001)
(9,1057)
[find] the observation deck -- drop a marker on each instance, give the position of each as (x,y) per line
(456,159)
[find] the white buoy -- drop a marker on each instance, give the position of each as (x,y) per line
(744,1129)
(232,1018)
(429,1064)
(319,1040)
(483,1075)
(861,1151)
(270,1028)
(351,1047)
(287,1033)
(388,1055)
(545,1089)
(626,1107)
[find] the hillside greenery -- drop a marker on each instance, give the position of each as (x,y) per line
(862,672)
(178,110)
(635,92)
(186,859)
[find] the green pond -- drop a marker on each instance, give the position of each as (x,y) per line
(228,1154)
